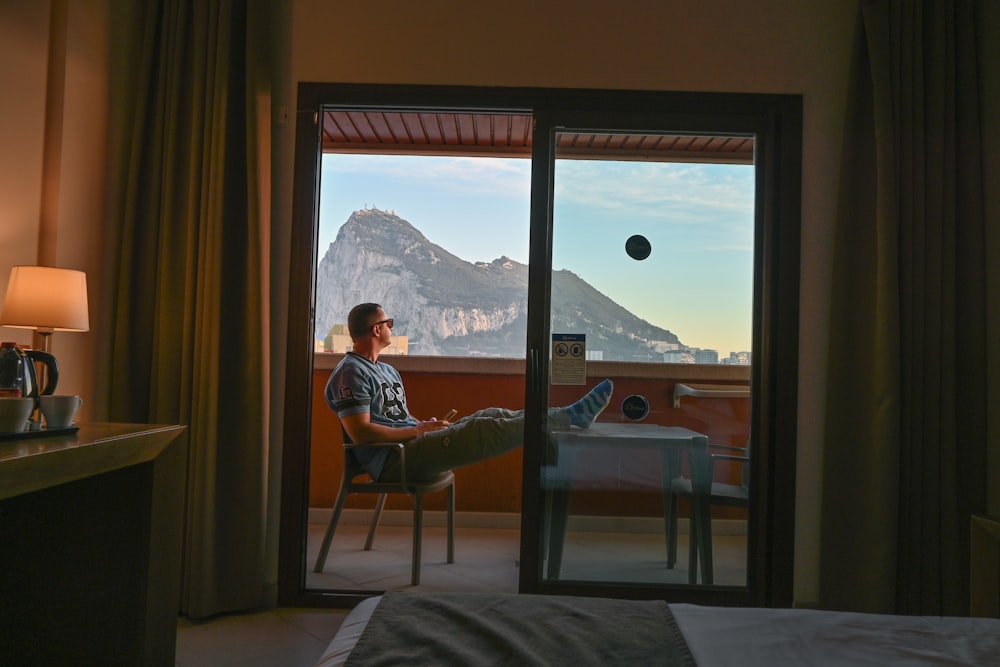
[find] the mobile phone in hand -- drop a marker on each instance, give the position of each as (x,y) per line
(451,415)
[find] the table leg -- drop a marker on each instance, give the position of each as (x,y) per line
(669,467)
(558,502)
(701,484)
(557,489)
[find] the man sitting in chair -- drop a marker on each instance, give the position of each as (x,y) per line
(368,397)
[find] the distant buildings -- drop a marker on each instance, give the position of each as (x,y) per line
(696,355)
(677,357)
(738,359)
(705,356)
(339,341)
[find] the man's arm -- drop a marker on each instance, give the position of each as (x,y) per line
(361,429)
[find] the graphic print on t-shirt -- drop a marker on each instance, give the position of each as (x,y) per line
(394,401)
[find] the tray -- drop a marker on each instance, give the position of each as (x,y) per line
(42,433)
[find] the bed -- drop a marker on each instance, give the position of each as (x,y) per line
(508,629)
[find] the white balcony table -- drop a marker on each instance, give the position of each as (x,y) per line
(670,441)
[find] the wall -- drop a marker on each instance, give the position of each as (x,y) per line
(77,169)
(782,46)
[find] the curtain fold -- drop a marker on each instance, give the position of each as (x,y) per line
(188,325)
(905,449)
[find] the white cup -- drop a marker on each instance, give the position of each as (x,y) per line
(14,413)
(59,411)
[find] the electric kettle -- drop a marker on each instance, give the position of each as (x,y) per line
(51,374)
(19,372)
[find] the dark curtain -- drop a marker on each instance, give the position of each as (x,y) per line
(905,450)
(189,266)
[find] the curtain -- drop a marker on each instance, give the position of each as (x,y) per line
(189,266)
(905,442)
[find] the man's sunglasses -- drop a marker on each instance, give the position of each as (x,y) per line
(388,321)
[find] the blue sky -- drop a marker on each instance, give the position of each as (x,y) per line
(697,281)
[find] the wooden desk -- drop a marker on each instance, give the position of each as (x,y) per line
(669,441)
(90,546)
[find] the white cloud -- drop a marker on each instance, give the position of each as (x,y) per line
(497,176)
(655,188)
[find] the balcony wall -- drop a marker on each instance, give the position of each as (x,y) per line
(436,384)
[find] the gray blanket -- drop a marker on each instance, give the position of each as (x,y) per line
(505,629)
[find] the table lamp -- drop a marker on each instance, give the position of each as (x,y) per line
(46,299)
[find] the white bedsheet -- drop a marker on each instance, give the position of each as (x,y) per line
(754,637)
(767,637)
(348,634)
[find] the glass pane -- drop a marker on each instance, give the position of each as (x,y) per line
(445,247)
(442,243)
(653,266)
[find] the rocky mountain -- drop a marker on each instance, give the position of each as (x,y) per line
(448,306)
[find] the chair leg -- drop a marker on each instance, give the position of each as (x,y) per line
(694,535)
(671,519)
(705,542)
(451,523)
(418,521)
(700,545)
(375,519)
(546,524)
(669,464)
(324,548)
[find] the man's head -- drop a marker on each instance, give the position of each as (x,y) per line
(368,319)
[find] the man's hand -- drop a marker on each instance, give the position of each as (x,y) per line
(431,425)
(361,430)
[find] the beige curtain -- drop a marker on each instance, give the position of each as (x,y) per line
(189,265)
(905,449)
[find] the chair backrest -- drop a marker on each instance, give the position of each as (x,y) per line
(352,466)
(347,439)
(745,474)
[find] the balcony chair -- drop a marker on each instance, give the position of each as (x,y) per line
(727,495)
(353,482)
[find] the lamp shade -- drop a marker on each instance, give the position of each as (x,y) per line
(47,299)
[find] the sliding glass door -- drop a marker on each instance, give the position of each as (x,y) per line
(663,256)
(647,248)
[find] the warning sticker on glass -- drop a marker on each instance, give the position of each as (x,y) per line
(569,359)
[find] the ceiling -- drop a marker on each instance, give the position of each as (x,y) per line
(491,134)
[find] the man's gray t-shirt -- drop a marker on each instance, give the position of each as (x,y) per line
(358,385)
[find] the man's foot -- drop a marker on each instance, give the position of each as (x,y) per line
(585,411)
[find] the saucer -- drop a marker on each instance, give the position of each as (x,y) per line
(40,433)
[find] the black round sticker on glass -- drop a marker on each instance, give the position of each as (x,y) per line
(638,247)
(635,407)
